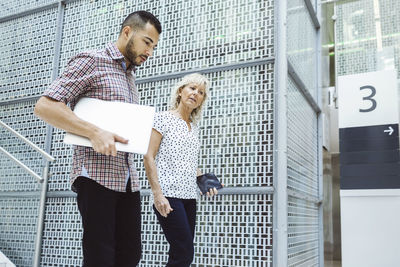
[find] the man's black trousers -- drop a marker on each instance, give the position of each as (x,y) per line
(111,225)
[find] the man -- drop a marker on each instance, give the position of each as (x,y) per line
(105,180)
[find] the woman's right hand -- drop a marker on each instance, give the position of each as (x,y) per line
(162,205)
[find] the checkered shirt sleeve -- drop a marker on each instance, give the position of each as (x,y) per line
(76,79)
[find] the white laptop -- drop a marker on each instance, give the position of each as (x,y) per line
(130,121)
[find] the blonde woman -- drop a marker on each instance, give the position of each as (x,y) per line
(171,166)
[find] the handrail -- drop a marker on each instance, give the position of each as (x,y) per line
(35,147)
(40,179)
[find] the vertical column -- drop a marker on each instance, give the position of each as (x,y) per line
(320,133)
(49,133)
(280,199)
(369,169)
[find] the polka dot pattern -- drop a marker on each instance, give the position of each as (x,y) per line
(177,157)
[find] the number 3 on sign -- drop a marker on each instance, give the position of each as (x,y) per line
(369,98)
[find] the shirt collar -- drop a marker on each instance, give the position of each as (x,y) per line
(115,54)
(113,51)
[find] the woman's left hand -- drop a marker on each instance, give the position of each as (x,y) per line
(212,192)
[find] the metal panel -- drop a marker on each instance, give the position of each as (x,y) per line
(303,233)
(357,40)
(303,148)
(62,233)
(390,26)
(301,44)
(59,173)
(8,8)
(355,43)
(302,144)
(302,88)
(231,230)
(27,50)
(236,128)
(18,217)
(224,32)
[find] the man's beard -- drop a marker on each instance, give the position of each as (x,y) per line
(130,54)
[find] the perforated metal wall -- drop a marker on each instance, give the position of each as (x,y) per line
(302,168)
(236,129)
(390,27)
(301,44)
(303,235)
(8,8)
(61,168)
(356,35)
(231,231)
(18,218)
(27,49)
(62,233)
(224,32)
(302,144)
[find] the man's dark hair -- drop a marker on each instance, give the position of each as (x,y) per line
(138,19)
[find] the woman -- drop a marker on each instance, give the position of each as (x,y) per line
(171,166)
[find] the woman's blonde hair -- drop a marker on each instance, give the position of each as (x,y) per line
(197,79)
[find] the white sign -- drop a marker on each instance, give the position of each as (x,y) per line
(130,121)
(368,99)
(370,228)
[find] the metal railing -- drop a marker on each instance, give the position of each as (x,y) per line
(41,179)
(35,147)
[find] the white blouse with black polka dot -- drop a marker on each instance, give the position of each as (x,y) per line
(177,157)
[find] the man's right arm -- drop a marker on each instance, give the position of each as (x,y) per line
(61,116)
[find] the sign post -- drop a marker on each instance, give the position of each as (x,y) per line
(369,169)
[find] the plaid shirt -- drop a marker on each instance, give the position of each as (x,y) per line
(99,74)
